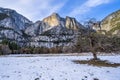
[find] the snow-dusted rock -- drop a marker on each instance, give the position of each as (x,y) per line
(13,20)
(53,29)
(12,25)
(50,32)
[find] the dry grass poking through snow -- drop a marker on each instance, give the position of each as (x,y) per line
(98,63)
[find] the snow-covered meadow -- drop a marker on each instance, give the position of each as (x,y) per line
(55,68)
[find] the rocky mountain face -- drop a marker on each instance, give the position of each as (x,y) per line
(111,24)
(53,31)
(12,19)
(50,32)
(51,22)
(12,25)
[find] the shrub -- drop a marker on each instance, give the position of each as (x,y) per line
(4,49)
(5,42)
(55,50)
(13,46)
(39,50)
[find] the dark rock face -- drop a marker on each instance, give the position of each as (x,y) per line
(3,16)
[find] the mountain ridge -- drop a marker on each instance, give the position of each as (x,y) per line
(20,29)
(111,23)
(52,31)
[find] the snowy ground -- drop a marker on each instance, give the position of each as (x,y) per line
(55,68)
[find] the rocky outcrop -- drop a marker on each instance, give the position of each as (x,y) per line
(111,24)
(71,23)
(53,20)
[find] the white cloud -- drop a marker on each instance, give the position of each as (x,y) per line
(87,6)
(33,9)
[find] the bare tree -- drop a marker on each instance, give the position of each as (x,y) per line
(92,40)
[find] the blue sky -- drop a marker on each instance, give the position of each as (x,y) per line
(80,9)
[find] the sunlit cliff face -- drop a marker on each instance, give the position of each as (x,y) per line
(53,20)
(71,23)
(56,20)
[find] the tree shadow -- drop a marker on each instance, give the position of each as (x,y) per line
(98,63)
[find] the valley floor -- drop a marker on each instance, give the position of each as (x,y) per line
(56,68)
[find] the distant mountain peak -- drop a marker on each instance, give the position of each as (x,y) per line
(13,19)
(52,20)
(55,14)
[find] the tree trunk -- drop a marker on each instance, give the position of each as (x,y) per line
(94,55)
(92,48)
